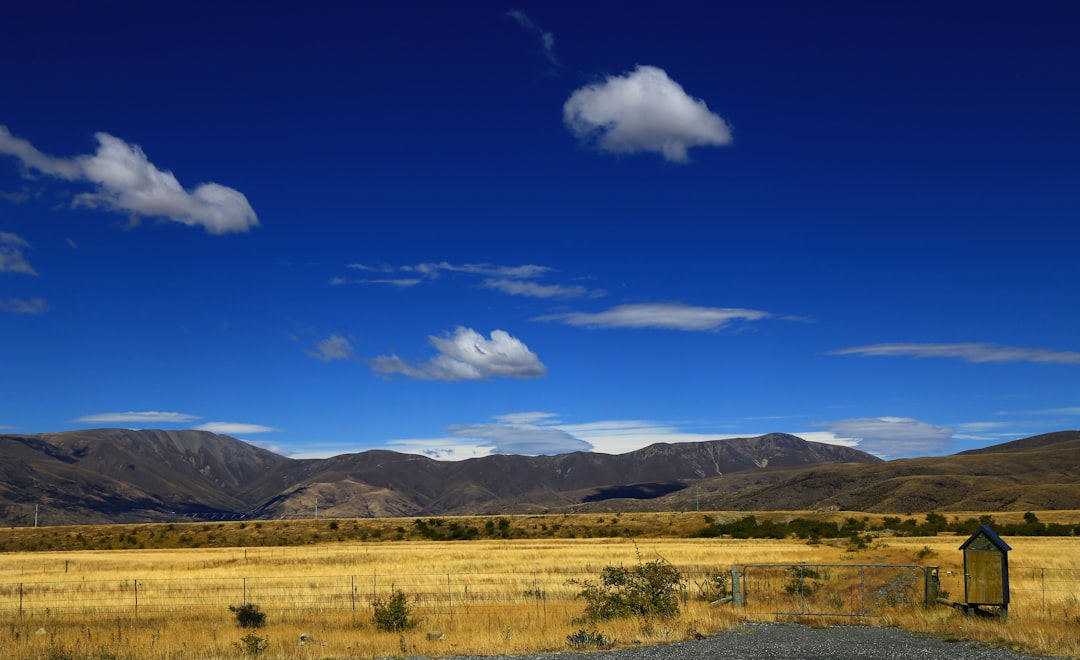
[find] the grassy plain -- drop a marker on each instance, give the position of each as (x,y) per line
(492,596)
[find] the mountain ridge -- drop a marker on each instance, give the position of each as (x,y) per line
(118,475)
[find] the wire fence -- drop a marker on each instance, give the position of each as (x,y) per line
(1044,592)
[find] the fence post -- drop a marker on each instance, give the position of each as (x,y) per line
(352,591)
(20,599)
(136,582)
(245,591)
(932,584)
(449,597)
(736,588)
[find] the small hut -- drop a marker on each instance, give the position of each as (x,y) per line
(986,570)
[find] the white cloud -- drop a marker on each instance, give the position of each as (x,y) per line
(890,437)
(527,418)
(535,290)
(618,436)
(401,282)
(668,316)
(334,347)
(468,355)
(644,110)
(231,428)
(547,39)
(522,439)
(440,449)
(12,259)
(969,352)
(128,182)
(148,417)
(435,269)
(21,306)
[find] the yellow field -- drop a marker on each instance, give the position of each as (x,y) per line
(484,597)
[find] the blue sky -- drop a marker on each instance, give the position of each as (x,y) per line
(546,227)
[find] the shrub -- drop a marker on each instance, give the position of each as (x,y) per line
(648,589)
(249,615)
(393,613)
(583,639)
(252,644)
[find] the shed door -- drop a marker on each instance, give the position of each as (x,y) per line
(984,577)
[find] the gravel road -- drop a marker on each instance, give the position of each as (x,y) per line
(772,641)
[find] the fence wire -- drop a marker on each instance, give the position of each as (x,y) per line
(834,590)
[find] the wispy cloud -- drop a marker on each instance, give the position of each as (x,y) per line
(232,428)
(334,347)
(148,417)
(468,355)
(889,437)
(643,110)
(511,280)
(400,282)
(528,418)
(667,316)
(128,182)
(522,439)
(21,306)
(537,290)
(12,259)
(547,40)
(969,352)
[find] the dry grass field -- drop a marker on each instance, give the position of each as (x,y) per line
(490,596)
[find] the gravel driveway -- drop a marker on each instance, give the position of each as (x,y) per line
(765,641)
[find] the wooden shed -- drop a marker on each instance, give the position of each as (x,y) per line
(986,569)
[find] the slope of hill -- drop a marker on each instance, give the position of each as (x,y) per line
(113,475)
(127,476)
(1038,473)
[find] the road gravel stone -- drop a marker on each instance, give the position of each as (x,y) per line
(776,641)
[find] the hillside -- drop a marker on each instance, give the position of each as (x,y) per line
(113,475)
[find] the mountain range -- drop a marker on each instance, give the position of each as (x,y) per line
(125,476)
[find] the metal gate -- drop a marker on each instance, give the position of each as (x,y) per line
(854,590)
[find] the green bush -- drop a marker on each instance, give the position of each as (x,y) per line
(584,639)
(249,615)
(648,589)
(251,644)
(393,613)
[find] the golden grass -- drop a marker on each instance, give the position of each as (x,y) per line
(506,596)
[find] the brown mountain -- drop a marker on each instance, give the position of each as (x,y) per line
(113,475)
(1031,474)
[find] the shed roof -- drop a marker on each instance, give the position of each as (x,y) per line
(990,535)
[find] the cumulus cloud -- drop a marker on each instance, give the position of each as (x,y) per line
(891,437)
(969,352)
(537,290)
(21,306)
(126,181)
(522,439)
(148,417)
(643,110)
(232,428)
(667,316)
(547,39)
(468,355)
(12,259)
(334,347)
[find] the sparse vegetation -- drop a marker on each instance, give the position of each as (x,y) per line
(646,590)
(393,613)
(492,584)
(586,639)
(248,615)
(252,644)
